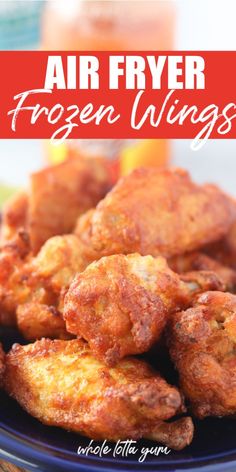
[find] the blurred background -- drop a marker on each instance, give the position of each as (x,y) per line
(118,25)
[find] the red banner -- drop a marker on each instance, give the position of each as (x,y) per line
(63,95)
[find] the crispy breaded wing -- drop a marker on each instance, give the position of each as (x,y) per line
(59,194)
(32,289)
(36,320)
(82,227)
(14,216)
(120,304)
(159,212)
(200,263)
(202,344)
(44,282)
(60,258)
(225,249)
(13,256)
(62,384)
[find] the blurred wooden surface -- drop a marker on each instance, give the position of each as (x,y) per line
(7,467)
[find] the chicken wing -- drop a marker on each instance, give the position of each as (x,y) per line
(202,344)
(14,216)
(62,384)
(32,291)
(12,258)
(60,258)
(198,262)
(59,194)
(46,279)
(37,320)
(56,197)
(120,304)
(159,212)
(225,249)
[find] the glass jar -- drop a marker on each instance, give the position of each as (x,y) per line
(113,25)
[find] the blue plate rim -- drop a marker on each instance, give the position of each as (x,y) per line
(31,456)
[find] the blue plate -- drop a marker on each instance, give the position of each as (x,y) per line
(29,444)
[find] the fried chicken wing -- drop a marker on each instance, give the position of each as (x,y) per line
(14,216)
(60,258)
(45,280)
(32,290)
(12,258)
(36,320)
(202,344)
(159,212)
(120,304)
(200,263)
(225,249)
(62,384)
(59,194)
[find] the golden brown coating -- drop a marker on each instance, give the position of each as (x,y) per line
(177,434)
(45,280)
(225,249)
(202,344)
(60,258)
(13,256)
(200,263)
(159,212)
(59,194)
(2,364)
(14,216)
(62,384)
(32,289)
(83,227)
(120,304)
(201,281)
(36,321)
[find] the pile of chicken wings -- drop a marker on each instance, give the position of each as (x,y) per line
(95,277)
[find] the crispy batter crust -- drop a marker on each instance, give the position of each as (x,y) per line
(14,216)
(225,249)
(32,289)
(120,304)
(59,194)
(60,258)
(202,345)
(200,264)
(62,384)
(45,280)
(13,256)
(159,212)
(36,320)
